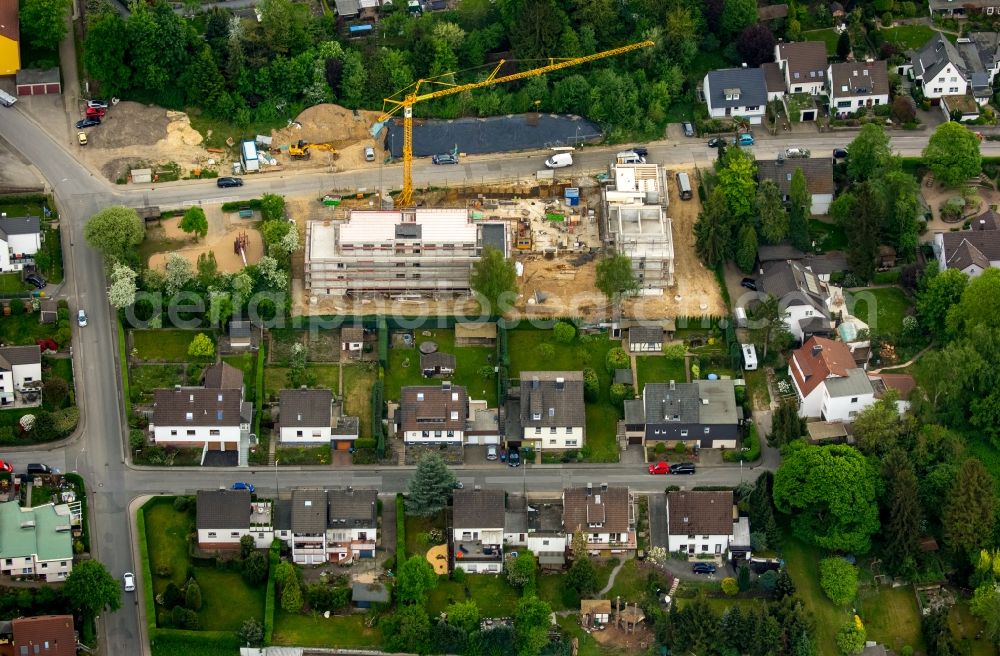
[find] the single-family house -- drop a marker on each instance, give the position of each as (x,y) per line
(197,416)
(239,334)
(538,527)
(645,338)
(10,38)
(806,300)
(433,415)
(352,527)
(553,416)
(368,595)
(951,8)
(20,237)
(772,12)
(703,413)
(20,372)
(804,67)
(774,80)
(224,516)
(305,416)
(437,364)
(308,526)
(827,382)
(604,515)
(966,68)
(702,522)
(902,385)
(352,340)
(36,541)
(736,92)
(968,251)
(477,530)
(43,635)
(855,85)
(222,376)
(818,173)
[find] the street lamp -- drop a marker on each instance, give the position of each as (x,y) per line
(77,461)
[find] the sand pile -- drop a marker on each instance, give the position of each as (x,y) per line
(328,124)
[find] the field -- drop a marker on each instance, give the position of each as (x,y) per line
(658,369)
(404,367)
(317,631)
(891,617)
(908,37)
(828,36)
(491,592)
(163,345)
(891,305)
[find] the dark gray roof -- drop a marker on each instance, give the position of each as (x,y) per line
(239,329)
(19,225)
(827,263)
(818,172)
(223,509)
(408,231)
(223,376)
(38,76)
(18,355)
(437,359)
(775,252)
(353,508)
(645,335)
(369,592)
(935,55)
(679,404)
(479,509)
(635,412)
(196,407)
(308,512)
(793,284)
(495,235)
(750,82)
(347,8)
(979,247)
(308,408)
(623,376)
(988,220)
(554,403)
(282,515)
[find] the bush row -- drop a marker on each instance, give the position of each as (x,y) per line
(400,530)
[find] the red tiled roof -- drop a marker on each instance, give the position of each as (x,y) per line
(818,359)
(47,635)
(9,26)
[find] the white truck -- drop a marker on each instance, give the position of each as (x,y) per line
(6,99)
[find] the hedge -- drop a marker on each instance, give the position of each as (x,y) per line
(81,496)
(236,206)
(378,391)
(400,530)
(170,642)
(147,574)
(259,382)
(383,342)
(273,557)
(750,451)
(123,363)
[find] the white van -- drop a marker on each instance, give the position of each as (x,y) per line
(741,317)
(6,99)
(684,185)
(629,157)
(559,160)
(749,357)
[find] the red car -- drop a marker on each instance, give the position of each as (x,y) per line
(6,466)
(95,112)
(661,467)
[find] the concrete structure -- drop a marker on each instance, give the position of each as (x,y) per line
(604,515)
(38,82)
(733,92)
(10,38)
(553,416)
(827,382)
(224,516)
(804,67)
(36,541)
(706,523)
(638,227)
(818,173)
(20,239)
(703,413)
(431,414)
(305,416)
(43,635)
(478,530)
(855,85)
(20,372)
(412,251)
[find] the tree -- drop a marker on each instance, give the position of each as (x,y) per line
(195,222)
(843,45)
(878,428)
(986,606)
(408,630)
(756,45)
(251,633)
(713,231)
(255,568)
(904,109)
(414,580)
(274,233)
(839,580)
(272,207)
(786,424)
(870,153)
(495,282)
(582,576)
(730,587)
(201,347)
(970,510)
(902,533)
(178,273)
(952,154)
(977,306)
(105,50)
(616,358)
(939,292)
(860,212)
(800,208)
(743,578)
(768,321)
(830,492)
(464,614)
(695,628)
(43,22)
(299,375)
(291,597)
(738,15)
(531,625)
(430,487)
(851,637)
(121,291)
(247,546)
(55,390)
(564,332)
(90,589)
(773,215)
(520,571)
(591,385)
(271,274)
(615,277)
(115,232)
(738,182)
(746,253)
(192,595)
(205,83)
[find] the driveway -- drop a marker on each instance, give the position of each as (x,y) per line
(658,520)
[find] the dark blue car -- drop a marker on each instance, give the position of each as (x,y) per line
(703,568)
(241,485)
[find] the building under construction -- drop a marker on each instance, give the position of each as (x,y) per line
(635,202)
(410,252)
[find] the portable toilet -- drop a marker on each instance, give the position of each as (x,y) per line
(749,357)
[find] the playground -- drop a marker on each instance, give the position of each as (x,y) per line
(234,241)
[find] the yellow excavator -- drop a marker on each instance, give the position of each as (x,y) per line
(303,149)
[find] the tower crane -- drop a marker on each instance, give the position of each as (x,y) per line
(412,96)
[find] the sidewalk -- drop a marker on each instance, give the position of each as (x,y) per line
(139,594)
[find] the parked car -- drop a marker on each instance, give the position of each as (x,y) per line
(129,579)
(229,182)
(559,161)
(97,103)
(744,140)
(81,318)
(514,458)
(703,568)
(661,467)
(37,469)
(796,153)
(81,137)
(491,452)
(243,485)
(503,455)
(682,468)
(749,283)
(445,158)
(88,123)
(714,142)
(641,151)
(688,129)
(6,467)
(369,154)
(95,111)
(36,280)
(839,153)
(458,485)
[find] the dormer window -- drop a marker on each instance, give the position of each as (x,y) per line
(536,416)
(796,75)
(732,94)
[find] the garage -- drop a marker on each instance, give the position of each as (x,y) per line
(343,445)
(37,82)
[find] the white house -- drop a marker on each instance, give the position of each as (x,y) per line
(308,527)
(968,251)
(433,415)
(352,524)
(940,70)
(827,381)
(807,301)
(20,370)
(553,416)
(195,416)
(733,92)
(478,530)
(305,416)
(36,541)
(538,527)
(224,516)
(804,66)
(818,172)
(604,515)
(700,522)
(855,85)
(20,239)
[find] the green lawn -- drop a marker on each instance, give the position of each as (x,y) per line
(166,541)
(757,388)
(10,283)
(53,246)
(965,626)
(828,236)
(632,583)
(587,351)
(908,37)
(491,592)
(417,525)
(404,367)
(317,631)
(891,617)
(988,455)
(891,305)
(247,363)
(60,368)
(802,561)
(658,369)
(327,375)
(171,643)
(23,329)
(828,36)
(358,382)
(145,378)
(227,600)
(164,345)
(303,455)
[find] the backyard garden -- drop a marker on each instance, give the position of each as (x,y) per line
(473,365)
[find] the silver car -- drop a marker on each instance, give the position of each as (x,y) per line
(491,452)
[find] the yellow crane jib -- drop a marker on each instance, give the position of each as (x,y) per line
(412,95)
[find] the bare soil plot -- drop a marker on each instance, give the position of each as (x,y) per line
(345,129)
(223,231)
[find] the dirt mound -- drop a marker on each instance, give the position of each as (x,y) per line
(119,167)
(131,124)
(328,124)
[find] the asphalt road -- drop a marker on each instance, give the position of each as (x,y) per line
(97,451)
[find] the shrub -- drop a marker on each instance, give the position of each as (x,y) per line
(768,581)
(192,595)
(458,576)
(620,392)
(364,443)
(65,420)
(591,385)
(839,580)
(563,332)
(16,307)
(181,504)
(660,448)
(617,358)
(851,637)
(730,586)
